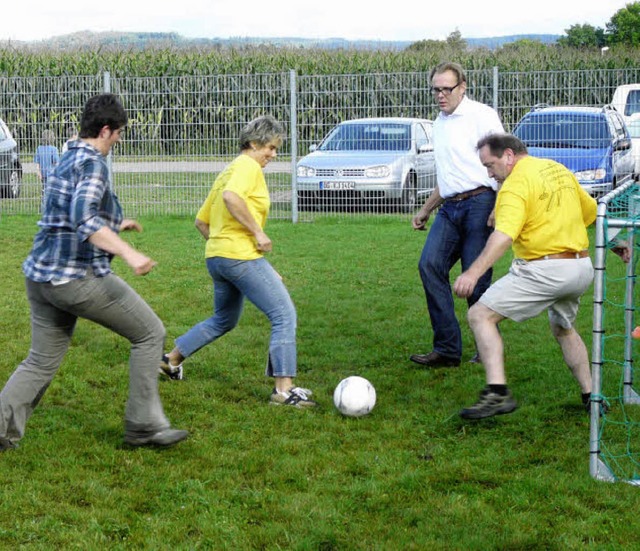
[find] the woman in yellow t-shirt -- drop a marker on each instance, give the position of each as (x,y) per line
(232,221)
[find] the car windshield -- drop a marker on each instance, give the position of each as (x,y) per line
(368,137)
(633,103)
(564,130)
(634,128)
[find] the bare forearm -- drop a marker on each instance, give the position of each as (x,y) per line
(497,244)
(111,242)
(203,228)
(433,202)
(239,210)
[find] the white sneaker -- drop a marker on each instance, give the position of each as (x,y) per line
(174,372)
(295,396)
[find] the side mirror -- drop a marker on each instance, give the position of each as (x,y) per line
(622,145)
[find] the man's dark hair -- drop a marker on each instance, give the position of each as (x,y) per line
(100,111)
(497,143)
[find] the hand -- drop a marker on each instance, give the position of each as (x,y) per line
(127,225)
(464,285)
(491,221)
(140,263)
(420,220)
(622,249)
(263,242)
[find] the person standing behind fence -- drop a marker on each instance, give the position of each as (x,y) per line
(47,157)
(466,197)
(72,135)
(68,276)
(232,220)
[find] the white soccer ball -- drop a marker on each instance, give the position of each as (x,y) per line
(354,396)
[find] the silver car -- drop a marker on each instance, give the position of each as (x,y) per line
(382,161)
(10,167)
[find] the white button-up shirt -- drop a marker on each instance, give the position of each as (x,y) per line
(455,137)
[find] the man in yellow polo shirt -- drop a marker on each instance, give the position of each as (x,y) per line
(542,212)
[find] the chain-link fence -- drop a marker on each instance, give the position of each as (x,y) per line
(183,130)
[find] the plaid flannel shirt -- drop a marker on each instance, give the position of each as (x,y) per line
(78,202)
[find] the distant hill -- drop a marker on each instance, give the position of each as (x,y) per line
(86,40)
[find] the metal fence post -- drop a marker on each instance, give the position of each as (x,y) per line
(106,88)
(495,88)
(294,145)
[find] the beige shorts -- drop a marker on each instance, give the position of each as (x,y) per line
(532,287)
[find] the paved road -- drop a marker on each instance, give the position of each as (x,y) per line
(175,166)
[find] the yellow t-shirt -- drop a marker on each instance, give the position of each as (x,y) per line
(228,237)
(544,209)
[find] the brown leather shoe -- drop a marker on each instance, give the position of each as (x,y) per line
(433,359)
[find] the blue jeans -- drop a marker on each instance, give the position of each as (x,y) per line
(55,309)
(459,232)
(233,280)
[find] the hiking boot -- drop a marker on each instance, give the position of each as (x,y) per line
(174,372)
(295,396)
(490,404)
(435,359)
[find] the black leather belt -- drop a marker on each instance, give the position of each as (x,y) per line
(466,194)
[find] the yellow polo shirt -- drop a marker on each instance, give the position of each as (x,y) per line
(544,209)
(228,237)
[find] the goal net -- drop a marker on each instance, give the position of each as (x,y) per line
(615,406)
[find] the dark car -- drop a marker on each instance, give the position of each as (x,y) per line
(593,142)
(377,161)
(10,167)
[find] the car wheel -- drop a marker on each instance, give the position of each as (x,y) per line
(10,186)
(14,185)
(409,197)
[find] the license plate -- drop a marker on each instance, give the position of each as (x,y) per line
(337,185)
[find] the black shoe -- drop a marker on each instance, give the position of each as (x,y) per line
(603,410)
(434,359)
(164,438)
(6,444)
(475,359)
(490,404)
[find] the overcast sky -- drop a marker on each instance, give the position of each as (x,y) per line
(349,19)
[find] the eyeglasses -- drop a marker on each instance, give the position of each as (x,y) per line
(446,90)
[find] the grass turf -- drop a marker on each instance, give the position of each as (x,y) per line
(411,475)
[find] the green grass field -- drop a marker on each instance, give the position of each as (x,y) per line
(411,475)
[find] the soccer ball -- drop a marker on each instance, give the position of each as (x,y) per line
(354,396)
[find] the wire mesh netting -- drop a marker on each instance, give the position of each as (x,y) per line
(615,435)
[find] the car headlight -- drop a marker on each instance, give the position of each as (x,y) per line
(306,172)
(593,174)
(381,171)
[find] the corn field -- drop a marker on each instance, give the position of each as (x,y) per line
(186,109)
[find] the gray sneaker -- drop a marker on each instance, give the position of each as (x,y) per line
(296,397)
(162,439)
(490,404)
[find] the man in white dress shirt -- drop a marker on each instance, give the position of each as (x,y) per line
(465,196)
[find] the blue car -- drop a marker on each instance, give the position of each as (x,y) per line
(593,142)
